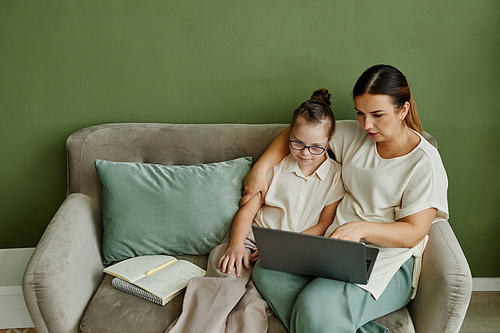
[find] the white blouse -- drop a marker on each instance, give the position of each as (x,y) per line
(386,190)
(294,202)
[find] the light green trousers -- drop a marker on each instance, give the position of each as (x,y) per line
(307,304)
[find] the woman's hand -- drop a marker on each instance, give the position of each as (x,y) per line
(255,182)
(351,231)
(235,256)
(254,256)
(406,232)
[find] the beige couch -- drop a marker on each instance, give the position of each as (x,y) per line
(66,290)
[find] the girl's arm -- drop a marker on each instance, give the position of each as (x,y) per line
(256,180)
(236,254)
(406,232)
(325,219)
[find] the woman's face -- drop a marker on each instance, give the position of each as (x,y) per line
(379,117)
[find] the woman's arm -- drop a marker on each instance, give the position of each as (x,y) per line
(256,180)
(325,219)
(236,254)
(406,232)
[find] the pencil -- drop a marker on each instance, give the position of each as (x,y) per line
(156,269)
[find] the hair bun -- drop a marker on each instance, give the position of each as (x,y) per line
(322,95)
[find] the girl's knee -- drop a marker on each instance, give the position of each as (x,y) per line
(265,279)
(257,272)
(260,276)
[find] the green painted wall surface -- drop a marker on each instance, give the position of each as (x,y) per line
(68,64)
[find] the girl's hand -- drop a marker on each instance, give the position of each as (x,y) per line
(254,256)
(351,231)
(235,256)
(254,182)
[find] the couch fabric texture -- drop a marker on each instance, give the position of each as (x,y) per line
(64,286)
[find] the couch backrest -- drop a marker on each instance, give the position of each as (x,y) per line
(166,144)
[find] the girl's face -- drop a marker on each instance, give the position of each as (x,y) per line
(379,117)
(309,135)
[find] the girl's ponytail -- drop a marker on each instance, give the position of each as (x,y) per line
(316,110)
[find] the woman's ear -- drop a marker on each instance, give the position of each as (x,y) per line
(404,111)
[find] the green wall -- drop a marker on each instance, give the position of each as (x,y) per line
(68,64)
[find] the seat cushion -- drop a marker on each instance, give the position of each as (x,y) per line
(114,311)
(398,321)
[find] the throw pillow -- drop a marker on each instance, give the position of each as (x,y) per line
(175,210)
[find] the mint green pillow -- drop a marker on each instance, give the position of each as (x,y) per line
(158,209)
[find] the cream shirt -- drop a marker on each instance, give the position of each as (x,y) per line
(294,202)
(386,190)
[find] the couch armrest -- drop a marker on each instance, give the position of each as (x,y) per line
(66,267)
(445,284)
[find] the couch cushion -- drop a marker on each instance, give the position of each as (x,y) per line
(115,311)
(398,321)
(176,210)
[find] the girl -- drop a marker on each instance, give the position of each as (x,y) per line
(304,191)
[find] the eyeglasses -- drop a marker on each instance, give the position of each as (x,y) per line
(315,150)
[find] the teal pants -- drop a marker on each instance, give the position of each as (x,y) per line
(306,304)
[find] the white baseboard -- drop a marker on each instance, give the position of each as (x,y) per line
(486,284)
(13,311)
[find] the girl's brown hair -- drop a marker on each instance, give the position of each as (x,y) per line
(316,110)
(388,80)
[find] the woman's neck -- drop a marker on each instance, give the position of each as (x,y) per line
(400,145)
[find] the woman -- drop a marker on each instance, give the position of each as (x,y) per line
(396,187)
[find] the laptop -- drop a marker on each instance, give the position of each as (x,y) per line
(315,255)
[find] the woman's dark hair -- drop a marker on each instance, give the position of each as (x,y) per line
(388,80)
(316,110)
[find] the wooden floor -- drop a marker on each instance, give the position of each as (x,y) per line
(483,315)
